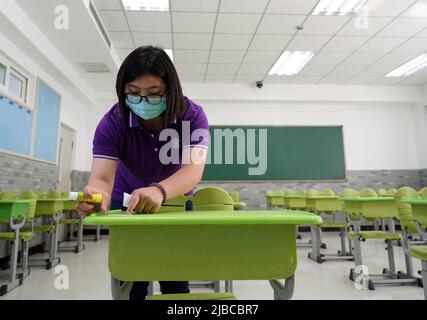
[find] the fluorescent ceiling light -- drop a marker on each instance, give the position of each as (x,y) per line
(169,53)
(338,7)
(291,62)
(411,67)
(147,5)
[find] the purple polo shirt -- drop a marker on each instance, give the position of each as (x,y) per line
(137,150)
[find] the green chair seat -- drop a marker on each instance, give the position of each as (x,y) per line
(70,221)
(195,296)
(376,235)
(24,236)
(239,205)
(332,224)
(419,252)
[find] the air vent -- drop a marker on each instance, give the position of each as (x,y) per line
(94,67)
(100,24)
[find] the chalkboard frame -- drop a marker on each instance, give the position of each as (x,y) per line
(345,179)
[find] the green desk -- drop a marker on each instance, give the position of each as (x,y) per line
(13,212)
(295,201)
(275,200)
(419,213)
(370,208)
(216,245)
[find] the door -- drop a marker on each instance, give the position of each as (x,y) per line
(66,156)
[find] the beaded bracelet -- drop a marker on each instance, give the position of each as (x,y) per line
(162,189)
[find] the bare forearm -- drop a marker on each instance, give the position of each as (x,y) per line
(183,180)
(101,184)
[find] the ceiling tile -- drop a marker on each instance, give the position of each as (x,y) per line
(363,59)
(418,10)
(192,40)
(193,22)
(191,68)
(415,45)
(269,42)
(395,59)
(226,56)
(280,24)
(387,8)
(422,34)
(149,21)
(191,78)
(253,68)
(344,44)
(302,79)
(191,56)
(194,5)
(360,27)
(307,43)
(122,39)
(316,70)
(361,80)
(381,44)
(257,56)
(329,57)
(346,70)
(114,20)
(231,41)
(123,53)
(334,80)
(243,6)
(108,4)
(219,78)
(323,25)
(237,23)
(163,40)
(291,6)
(403,27)
(375,71)
(222,68)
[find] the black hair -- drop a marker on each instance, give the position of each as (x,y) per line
(154,61)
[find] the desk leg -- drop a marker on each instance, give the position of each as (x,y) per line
(283,291)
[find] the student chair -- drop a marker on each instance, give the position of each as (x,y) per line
(13,212)
(295,200)
(326,203)
(277,199)
(382,193)
(237,203)
(369,207)
(69,221)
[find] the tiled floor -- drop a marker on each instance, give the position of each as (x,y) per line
(89,277)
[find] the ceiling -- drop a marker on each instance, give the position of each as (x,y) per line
(238,41)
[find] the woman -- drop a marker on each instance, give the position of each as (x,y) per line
(129,146)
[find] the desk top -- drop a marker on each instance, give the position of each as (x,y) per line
(366,199)
(18,201)
(323,197)
(205,217)
(414,201)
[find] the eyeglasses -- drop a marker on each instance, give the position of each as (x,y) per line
(153,99)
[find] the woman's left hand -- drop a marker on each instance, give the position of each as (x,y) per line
(147,200)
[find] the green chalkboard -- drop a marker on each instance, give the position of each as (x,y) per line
(275,153)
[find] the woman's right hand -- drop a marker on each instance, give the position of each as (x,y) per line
(86,208)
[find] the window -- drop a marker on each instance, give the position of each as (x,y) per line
(2,74)
(17,84)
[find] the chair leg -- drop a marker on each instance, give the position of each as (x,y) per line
(408,258)
(390,254)
(283,292)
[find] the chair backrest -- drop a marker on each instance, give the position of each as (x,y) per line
(53,195)
(212,199)
(41,195)
(327,192)
(235,195)
(382,192)
(349,193)
(290,192)
(423,192)
(391,191)
(367,192)
(312,193)
(301,192)
(8,195)
(404,209)
(32,207)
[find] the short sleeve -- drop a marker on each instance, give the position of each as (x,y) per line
(199,130)
(106,140)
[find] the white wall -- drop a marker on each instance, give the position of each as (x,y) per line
(376,136)
(419,112)
(73,112)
